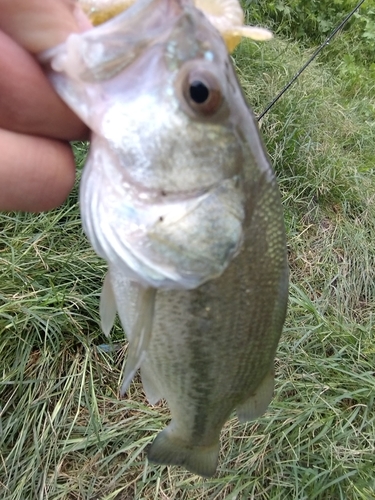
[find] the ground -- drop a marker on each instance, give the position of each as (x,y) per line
(64,432)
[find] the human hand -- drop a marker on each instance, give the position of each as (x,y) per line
(37,167)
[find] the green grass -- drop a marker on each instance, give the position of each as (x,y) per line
(64,433)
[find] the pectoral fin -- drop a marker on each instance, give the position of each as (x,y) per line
(258,403)
(140,335)
(107,306)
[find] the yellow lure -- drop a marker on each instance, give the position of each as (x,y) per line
(226,15)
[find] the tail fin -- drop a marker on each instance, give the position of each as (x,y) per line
(168,450)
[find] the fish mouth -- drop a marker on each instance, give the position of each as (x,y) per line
(166,195)
(155,195)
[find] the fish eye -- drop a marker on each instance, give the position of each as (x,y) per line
(202,92)
(199,93)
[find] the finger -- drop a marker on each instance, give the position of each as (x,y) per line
(38,25)
(28,103)
(36,174)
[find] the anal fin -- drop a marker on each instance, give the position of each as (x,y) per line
(258,402)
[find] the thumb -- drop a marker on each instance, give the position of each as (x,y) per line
(38,25)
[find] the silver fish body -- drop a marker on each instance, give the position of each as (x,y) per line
(179,197)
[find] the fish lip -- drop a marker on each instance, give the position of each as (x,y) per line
(156,195)
(160,196)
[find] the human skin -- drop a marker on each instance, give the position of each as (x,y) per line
(37,169)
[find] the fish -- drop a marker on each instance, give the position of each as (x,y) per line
(178,195)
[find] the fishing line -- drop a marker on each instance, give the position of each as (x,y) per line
(318,50)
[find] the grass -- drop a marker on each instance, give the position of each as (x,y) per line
(64,433)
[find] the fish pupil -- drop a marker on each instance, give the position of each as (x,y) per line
(199,93)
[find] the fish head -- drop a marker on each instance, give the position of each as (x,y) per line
(162,193)
(169,115)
